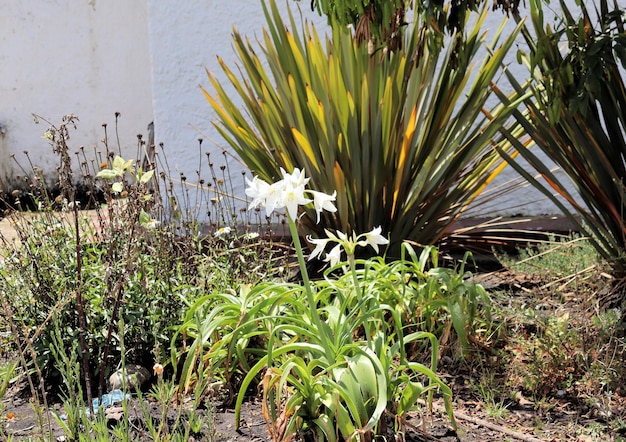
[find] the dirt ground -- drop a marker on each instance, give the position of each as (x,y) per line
(522,423)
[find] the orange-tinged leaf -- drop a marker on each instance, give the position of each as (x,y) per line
(303,142)
(405,147)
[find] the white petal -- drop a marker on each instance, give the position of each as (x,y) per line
(334,256)
(323,201)
(320,245)
(374,238)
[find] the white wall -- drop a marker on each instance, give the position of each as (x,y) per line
(86,57)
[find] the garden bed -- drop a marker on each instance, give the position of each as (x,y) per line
(485,410)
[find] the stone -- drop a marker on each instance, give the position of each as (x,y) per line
(131,377)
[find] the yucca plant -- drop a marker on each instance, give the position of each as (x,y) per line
(576,114)
(404,139)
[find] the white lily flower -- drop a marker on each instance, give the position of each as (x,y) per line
(296,178)
(323,201)
(342,236)
(289,193)
(334,256)
(374,238)
(320,245)
(293,197)
(257,190)
(274,197)
(347,243)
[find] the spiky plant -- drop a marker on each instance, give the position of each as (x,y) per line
(575,113)
(404,138)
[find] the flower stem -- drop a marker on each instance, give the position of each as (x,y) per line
(322,328)
(369,330)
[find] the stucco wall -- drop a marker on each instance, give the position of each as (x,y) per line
(86,57)
(186,38)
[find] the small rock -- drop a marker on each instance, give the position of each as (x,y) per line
(216,389)
(132,377)
(114,413)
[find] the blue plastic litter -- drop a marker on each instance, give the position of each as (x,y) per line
(112,397)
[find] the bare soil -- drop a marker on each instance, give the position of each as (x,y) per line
(564,420)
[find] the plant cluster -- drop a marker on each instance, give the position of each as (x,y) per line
(414,142)
(573,112)
(400,142)
(556,343)
(337,358)
(109,286)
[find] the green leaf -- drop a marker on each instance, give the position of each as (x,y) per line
(411,393)
(144,218)
(118,164)
(144,177)
(107,174)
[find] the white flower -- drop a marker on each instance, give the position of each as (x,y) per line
(264,194)
(257,190)
(323,201)
(346,242)
(274,197)
(294,179)
(152,223)
(334,256)
(292,198)
(374,238)
(289,193)
(222,231)
(342,236)
(320,245)
(251,235)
